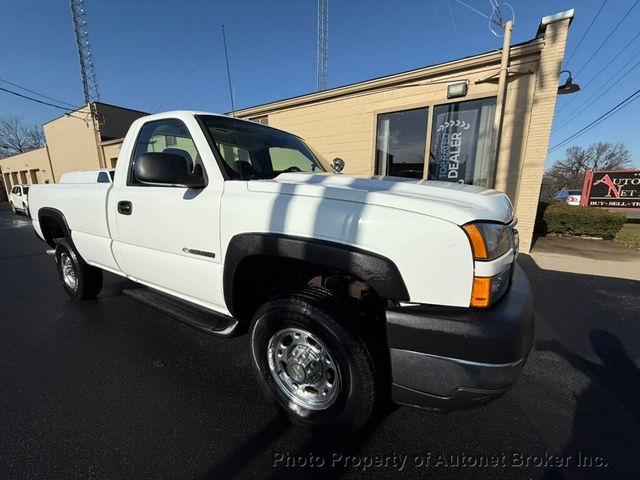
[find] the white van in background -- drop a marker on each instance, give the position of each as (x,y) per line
(103,175)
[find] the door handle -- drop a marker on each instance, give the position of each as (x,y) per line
(125,207)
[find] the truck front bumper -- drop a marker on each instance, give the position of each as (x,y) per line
(446,358)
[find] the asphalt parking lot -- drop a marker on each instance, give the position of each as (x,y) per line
(111,389)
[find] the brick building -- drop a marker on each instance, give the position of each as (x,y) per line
(409,125)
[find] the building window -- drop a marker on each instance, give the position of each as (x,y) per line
(401,143)
(34,176)
(170,140)
(461,142)
(264,119)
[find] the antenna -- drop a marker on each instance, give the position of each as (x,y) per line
(233,107)
(323,43)
(81,29)
(226,56)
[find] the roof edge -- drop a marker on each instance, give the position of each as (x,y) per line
(518,50)
(556,17)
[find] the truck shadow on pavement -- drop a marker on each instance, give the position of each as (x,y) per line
(607,413)
(590,322)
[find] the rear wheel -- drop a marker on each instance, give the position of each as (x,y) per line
(79,279)
(310,359)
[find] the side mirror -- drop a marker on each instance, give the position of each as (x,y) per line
(338,164)
(166,169)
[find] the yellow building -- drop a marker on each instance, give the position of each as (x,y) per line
(73,142)
(434,123)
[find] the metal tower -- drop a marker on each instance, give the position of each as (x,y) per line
(89,81)
(323,43)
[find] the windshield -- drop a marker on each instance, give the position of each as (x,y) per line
(254,151)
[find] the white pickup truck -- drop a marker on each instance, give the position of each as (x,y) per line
(353,290)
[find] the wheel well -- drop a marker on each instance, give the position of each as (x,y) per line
(53,226)
(260,277)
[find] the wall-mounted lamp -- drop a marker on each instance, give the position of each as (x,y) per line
(569,86)
(458,89)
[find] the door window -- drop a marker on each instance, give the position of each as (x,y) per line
(166,136)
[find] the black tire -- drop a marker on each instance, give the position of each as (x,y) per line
(333,323)
(88,279)
(13,208)
(25,210)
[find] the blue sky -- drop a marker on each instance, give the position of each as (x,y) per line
(156,55)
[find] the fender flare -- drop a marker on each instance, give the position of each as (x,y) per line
(378,271)
(58,217)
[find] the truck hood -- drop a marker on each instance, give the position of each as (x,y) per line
(449,201)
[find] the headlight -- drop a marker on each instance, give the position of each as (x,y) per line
(489,240)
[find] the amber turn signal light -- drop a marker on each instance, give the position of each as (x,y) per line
(481,292)
(477,241)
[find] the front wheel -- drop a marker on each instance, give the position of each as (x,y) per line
(13,208)
(311,361)
(79,279)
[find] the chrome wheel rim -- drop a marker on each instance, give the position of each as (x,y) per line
(303,368)
(69,276)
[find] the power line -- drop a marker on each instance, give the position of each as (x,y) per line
(474,10)
(455,29)
(40,101)
(588,102)
(602,70)
(627,101)
(37,93)
(608,37)
(586,32)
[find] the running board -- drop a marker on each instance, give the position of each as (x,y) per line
(193,315)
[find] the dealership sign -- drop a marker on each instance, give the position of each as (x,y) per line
(611,189)
(455,145)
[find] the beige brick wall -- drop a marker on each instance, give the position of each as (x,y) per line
(110,152)
(72,143)
(536,142)
(342,122)
(346,127)
(22,165)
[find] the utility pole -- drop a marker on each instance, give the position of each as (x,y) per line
(498,120)
(87,69)
(323,43)
(81,29)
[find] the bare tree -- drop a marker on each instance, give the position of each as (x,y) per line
(569,172)
(16,137)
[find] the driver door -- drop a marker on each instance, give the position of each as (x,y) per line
(168,236)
